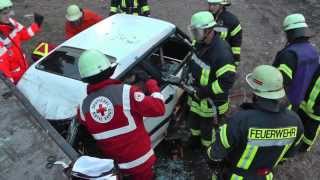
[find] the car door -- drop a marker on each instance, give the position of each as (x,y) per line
(165,60)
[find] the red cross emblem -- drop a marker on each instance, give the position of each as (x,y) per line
(101,110)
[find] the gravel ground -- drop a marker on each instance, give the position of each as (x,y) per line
(261,23)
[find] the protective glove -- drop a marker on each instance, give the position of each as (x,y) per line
(202,92)
(38,19)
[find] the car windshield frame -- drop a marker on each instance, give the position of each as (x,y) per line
(62,59)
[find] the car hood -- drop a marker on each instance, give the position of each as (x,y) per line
(55,97)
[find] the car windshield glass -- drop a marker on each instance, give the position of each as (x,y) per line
(64,62)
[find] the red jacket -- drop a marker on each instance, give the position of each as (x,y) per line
(4,62)
(15,34)
(113,114)
(89,18)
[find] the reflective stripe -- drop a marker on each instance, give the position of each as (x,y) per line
(284,151)
(236,50)
(235,30)
(135,3)
(126,110)
(307,141)
(195,132)
(204,79)
(145,8)
(136,162)
(16,70)
(213,138)
(247,156)
(286,70)
(236,177)
(123,3)
(223,35)
(314,94)
(311,142)
(307,110)
(209,152)
(223,108)
(13,34)
(225,69)
(113,9)
(30,31)
(216,87)
(3,50)
(269,176)
(223,136)
(299,140)
(157,95)
(200,108)
(205,143)
(81,112)
(199,62)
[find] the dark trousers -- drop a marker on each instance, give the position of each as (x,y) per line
(311,131)
(201,128)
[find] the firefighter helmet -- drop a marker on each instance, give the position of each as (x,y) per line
(222,2)
(294,21)
(74,13)
(92,62)
(5,4)
(199,22)
(266,81)
(202,20)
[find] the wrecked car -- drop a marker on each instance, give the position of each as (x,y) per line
(143,47)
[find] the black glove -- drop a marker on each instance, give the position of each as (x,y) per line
(202,92)
(215,165)
(38,19)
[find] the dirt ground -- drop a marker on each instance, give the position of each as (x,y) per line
(261,23)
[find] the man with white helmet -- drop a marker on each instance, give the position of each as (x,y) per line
(233,33)
(79,19)
(256,139)
(298,62)
(113,114)
(12,34)
(212,70)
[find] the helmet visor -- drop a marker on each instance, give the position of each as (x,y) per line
(196,33)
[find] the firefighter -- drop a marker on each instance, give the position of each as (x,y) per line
(212,72)
(233,33)
(309,113)
(256,139)
(41,50)
(298,62)
(135,7)
(12,34)
(78,20)
(113,114)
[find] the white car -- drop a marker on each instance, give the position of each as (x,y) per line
(136,43)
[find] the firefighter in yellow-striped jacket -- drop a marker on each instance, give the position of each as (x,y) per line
(135,7)
(212,72)
(256,139)
(309,113)
(233,33)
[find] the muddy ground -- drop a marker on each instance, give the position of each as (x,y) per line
(261,22)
